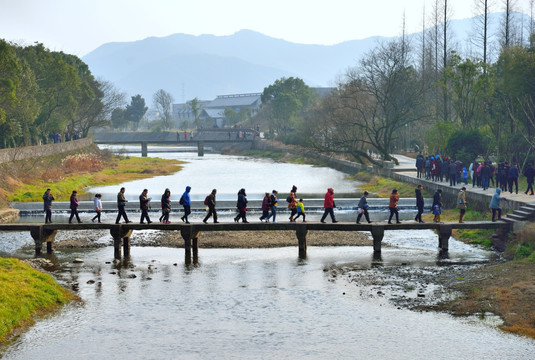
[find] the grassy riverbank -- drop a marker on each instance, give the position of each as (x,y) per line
(26,294)
(28,179)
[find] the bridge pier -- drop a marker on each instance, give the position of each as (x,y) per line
(144,150)
(200,148)
(444,233)
(120,236)
(190,236)
(301,233)
(41,235)
(378,232)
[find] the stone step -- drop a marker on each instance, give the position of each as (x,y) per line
(515,217)
(524,213)
(509,220)
(528,207)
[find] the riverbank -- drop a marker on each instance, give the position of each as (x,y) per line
(26,180)
(27,294)
(506,289)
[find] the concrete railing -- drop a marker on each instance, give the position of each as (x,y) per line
(29,152)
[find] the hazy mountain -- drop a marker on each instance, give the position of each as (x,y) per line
(204,66)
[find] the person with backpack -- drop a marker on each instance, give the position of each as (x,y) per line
(363,208)
(300,210)
(74,207)
(210,202)
(166,206)
(292,203)
(273,203)
(144,201)
(242,206)
(265,207)
(185,201)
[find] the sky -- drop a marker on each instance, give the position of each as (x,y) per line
(80,26)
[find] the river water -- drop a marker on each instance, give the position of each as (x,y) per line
(252,303)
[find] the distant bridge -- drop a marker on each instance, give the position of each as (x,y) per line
(45,233)
(244,138)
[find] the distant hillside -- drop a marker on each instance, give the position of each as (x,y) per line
(205,66)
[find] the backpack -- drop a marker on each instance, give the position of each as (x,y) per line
(207,200)
(181,201)
(289,199)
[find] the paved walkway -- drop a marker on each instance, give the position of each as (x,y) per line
(407,167)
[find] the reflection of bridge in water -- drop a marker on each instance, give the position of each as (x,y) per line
(216,138)
(45,233)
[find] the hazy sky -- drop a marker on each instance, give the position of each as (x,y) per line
(80,26)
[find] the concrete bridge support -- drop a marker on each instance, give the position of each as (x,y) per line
(301,234)
(378,232)
(444,233)
(190,236)
(200,148)
(41,235)
(120,236)
(144,151)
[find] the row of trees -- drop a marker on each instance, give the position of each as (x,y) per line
(421,92)
(44,92)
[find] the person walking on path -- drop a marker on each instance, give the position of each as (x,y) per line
(292,203)
(495,204)
(363,208)
(393,206)
(419,203)
(529,173)
(186,203)
(273,203)
(328,205)
(121,203)
(47,203)
(300,210)
(265,207)
(452,171)
(437,205)
(144,201)
(512,177)
(419,165)
(97,204)
(210,202)
(74,207)
(461,203)
(485,175)
(166,206)
(242,207)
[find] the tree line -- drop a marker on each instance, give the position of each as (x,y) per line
(419,93)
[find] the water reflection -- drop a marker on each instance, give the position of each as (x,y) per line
(250,302)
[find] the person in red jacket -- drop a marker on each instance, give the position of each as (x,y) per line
(393,206)
(328,205)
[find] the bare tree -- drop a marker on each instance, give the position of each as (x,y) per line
(508,30)
(95,111)
(481,28)
(162,102)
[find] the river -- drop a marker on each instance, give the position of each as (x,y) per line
(253,303)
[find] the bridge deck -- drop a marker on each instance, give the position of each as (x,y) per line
(45,233)
(341,226)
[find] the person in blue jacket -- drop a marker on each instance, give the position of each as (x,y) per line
(186,203)
(495,204)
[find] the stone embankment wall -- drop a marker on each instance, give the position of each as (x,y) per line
(8,215)
(29,152)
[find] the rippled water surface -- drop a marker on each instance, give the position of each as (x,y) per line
(248,303)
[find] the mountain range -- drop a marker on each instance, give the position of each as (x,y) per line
(205,66)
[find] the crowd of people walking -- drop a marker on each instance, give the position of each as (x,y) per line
(270,203)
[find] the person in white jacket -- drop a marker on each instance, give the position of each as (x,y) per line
(97,201)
